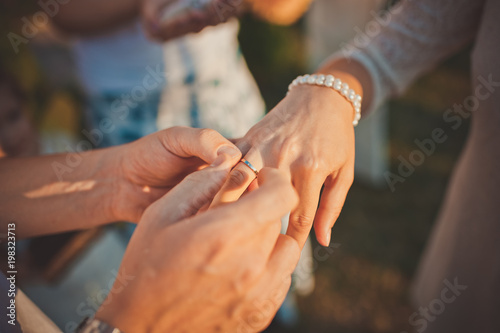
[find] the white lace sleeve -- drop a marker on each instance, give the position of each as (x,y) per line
(410,40)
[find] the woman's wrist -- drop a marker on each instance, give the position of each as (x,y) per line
(354,74)
(335,84)
(326,103)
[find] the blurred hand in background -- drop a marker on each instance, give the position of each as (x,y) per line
(168,19)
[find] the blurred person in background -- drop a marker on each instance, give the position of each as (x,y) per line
(122,72)
(18,136)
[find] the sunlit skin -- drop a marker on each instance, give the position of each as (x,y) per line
(186,269)
(223,270)
(309,135)
(114,184)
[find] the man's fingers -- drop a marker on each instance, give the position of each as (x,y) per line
(273,285)
(267,204)
(206,144)
(301,219)
(284,257)
(239,180)
(190,195)
(332,201)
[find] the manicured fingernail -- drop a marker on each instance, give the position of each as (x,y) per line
(229,150)
(328,237)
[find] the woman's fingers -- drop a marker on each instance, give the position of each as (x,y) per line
(301,219)
(332,201)
(239,179)
(205,144)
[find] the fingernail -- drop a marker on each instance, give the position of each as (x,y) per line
(328,237)
(229,150)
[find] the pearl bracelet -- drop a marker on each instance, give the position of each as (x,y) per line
(336,84)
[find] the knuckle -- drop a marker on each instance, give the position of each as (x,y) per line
(247,277)
(303,222)
(237,178)
(311,164)
(208,134)
(203,240)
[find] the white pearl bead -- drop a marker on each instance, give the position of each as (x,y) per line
(331,82)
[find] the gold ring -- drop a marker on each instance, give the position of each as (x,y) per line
(248,164)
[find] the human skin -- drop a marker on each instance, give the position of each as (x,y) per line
(186,269)
(94,17)
(223,270)
(114,184)
(310,136)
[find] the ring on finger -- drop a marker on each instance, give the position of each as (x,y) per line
(248,164)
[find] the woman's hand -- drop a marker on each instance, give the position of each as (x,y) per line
(310,135)
(223,270)
(148,168)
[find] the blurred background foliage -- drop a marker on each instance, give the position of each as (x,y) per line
(364,284)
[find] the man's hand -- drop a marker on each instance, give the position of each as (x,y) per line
(223,270)
(73,191)
(148,168)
